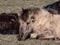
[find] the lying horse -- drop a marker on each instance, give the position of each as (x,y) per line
(38,21)
(9,21)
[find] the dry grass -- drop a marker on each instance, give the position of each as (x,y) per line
(15,6)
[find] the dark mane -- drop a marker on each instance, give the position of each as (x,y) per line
(53,8)
(9,21)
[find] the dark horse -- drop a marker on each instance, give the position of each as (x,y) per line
(9,21)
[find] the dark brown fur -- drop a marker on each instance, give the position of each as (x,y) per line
(9,21)
(53,8)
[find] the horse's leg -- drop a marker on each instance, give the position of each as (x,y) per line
(20,30)
(27,33)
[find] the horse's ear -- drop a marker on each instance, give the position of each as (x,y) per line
(22,8)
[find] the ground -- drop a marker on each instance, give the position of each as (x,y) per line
(12,40)
(15,6)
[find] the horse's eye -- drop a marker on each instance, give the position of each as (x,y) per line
(32,17)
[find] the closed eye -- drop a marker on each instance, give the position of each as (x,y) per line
(32,17)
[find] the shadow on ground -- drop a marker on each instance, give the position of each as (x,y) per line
(4,32)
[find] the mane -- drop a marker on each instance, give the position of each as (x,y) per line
(53,8)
